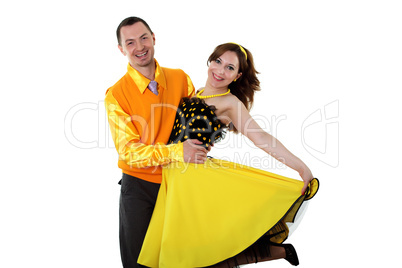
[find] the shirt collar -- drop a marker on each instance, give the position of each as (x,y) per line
(142,82)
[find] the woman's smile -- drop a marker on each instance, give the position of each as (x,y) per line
(217,77)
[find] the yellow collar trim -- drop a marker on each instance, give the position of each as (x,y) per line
(142,82)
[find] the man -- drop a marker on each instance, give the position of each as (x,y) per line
(141,117)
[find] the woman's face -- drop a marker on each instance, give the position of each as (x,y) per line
(223,70)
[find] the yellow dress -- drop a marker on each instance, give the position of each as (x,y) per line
(208,213)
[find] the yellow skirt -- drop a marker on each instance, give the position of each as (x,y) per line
(207,213)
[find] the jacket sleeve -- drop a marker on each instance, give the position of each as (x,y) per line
(127,140)
(190,85)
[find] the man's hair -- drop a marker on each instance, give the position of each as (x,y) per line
(127,22)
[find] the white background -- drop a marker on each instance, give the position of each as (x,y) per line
(59,174)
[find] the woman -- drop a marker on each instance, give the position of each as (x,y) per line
(223,214)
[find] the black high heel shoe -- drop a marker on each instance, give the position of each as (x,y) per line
(291,255)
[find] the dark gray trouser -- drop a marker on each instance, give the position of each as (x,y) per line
(137,202)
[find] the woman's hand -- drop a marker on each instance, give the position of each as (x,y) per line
(306,176)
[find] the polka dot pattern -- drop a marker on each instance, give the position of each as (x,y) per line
(196,120)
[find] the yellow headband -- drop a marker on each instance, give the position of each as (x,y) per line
(242,49)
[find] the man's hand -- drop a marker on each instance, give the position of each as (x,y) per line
(193,152)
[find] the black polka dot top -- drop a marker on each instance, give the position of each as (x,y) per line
(196,120)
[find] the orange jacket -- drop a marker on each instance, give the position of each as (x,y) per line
(141,122)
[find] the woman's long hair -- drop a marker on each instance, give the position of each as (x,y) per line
(247,84)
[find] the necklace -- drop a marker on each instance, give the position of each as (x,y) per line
(211,96)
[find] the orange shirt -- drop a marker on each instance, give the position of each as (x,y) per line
(141,122)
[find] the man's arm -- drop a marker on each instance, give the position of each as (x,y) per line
(127,140)
(137,154)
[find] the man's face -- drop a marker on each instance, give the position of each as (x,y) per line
(137,43)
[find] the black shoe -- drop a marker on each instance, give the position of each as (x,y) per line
(291,255)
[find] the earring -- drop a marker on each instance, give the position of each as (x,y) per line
(234,80)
